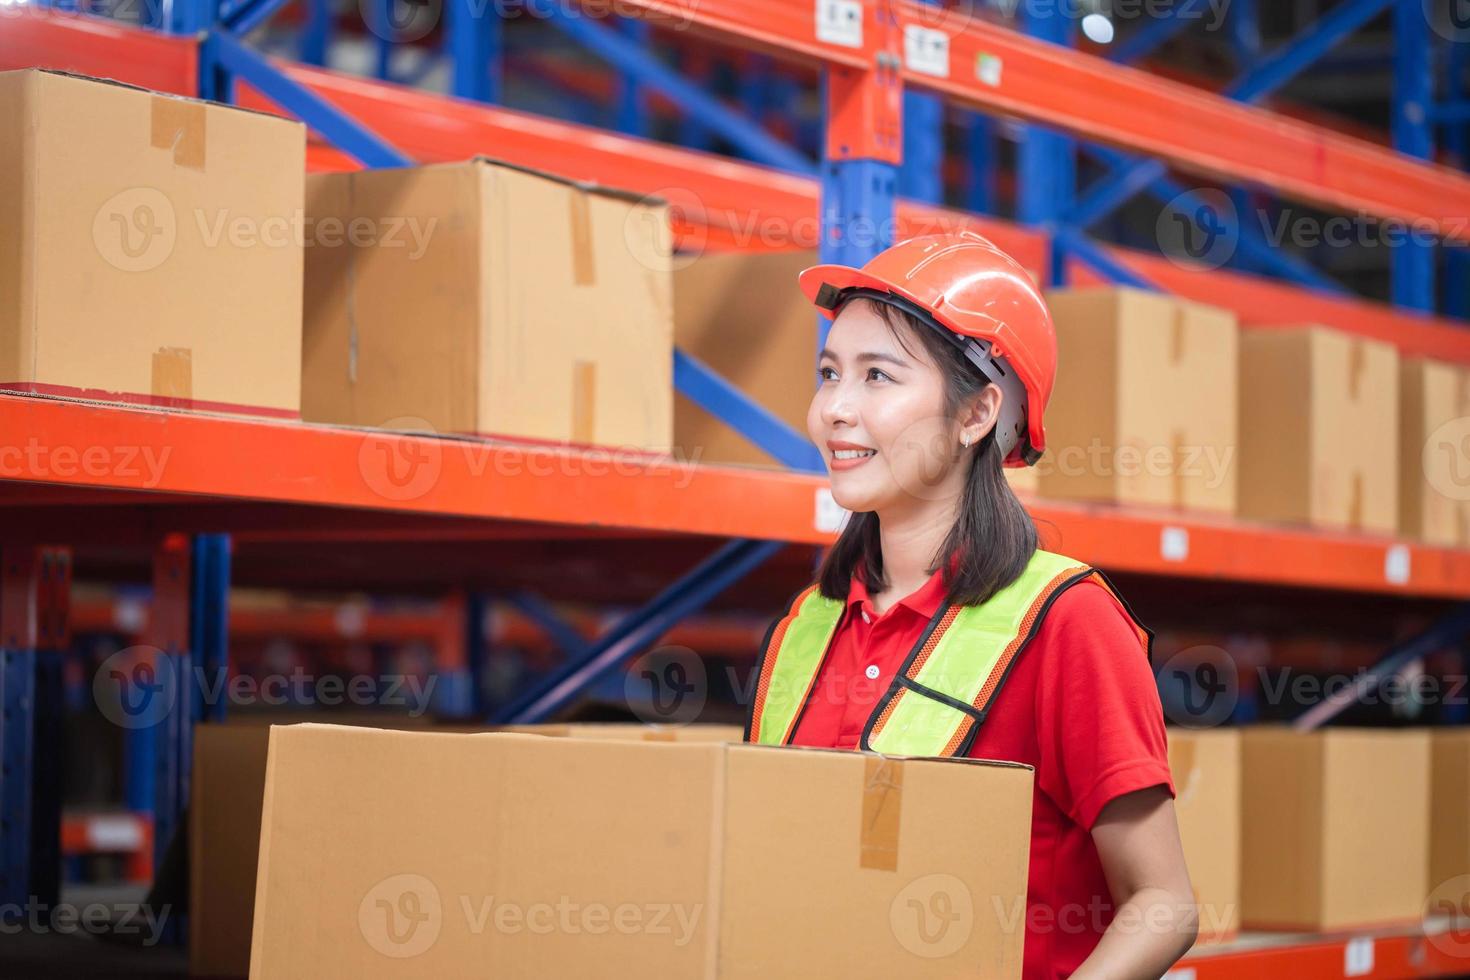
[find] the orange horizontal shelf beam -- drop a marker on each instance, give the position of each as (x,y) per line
(216,459)
(1435,950)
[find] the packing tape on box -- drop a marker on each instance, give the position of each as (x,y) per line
(1182,767)
(1177,336)
(173,373)
(584,269)
(659,735)
(178,125)
(1357,364)
(584,401)
(882,803)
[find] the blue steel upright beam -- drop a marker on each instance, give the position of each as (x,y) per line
(632,100)
(1413,135)
(20,584)
(209,625)
(474,39)
(864,150)
(50,730)
(921,177)
(1046,161)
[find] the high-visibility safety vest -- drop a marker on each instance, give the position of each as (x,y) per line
(939,697)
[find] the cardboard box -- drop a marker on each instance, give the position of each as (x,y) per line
(483,298)
(1434,472)
(150,252)
(1449,823)
(1206,767)
(1319,429)
(224,825)
(400,854)
(1144,407)
(744,315)
(1336,827)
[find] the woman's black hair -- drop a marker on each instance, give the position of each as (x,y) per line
(993,537)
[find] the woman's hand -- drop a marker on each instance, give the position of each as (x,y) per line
(1156,919)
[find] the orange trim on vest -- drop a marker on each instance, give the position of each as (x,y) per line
(768,665)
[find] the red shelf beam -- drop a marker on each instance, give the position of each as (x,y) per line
(220,459)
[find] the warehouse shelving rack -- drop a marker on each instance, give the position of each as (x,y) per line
(307,484)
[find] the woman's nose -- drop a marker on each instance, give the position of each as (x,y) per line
(838,404)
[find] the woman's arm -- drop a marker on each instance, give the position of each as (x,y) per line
(1156,922)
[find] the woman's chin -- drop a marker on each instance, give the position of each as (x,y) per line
(854,498)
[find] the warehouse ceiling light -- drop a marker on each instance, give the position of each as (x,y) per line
(1098,28)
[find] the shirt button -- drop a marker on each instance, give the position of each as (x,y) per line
(872,672)
(866,617)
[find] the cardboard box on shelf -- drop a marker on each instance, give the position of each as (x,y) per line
(743,314)
(1335,827)
(171,276)
(1434,470)
(1206,767)
(224,827)
(1319,428)
(483,298)
(399,854)
(1449,824)
(1144,407)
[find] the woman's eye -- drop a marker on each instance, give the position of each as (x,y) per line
(826,373)
(876,375)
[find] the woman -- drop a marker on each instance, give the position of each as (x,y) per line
(938,628)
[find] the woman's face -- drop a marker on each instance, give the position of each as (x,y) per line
(880,420)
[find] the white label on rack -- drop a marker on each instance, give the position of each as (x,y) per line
(926,50)
(109,833)
(1357,957)
(840,22)
(1183,973)
(987,69)
(829,517)
(1174,544)
(1396,565)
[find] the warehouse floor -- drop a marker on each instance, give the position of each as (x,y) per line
(29,956)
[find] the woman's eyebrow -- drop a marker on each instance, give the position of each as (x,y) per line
(867,356)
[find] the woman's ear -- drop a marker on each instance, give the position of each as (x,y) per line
(980,414)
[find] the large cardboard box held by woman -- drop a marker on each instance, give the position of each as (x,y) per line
(407,854)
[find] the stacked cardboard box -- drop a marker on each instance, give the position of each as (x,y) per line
(1336,827)
(1144,407)
(405,854)
(484,298)
(228,787)
(744,316)
(151,249)
(1206,768)
(1449,826)
(1434,439)
(1319,431)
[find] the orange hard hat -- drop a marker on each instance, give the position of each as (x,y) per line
(980,298)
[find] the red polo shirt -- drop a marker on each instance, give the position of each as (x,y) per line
(1080,705)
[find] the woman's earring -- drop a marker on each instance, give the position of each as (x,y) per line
(965,440)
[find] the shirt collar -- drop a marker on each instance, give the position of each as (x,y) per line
(926,600)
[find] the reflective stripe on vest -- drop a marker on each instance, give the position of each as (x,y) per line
(948,680)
